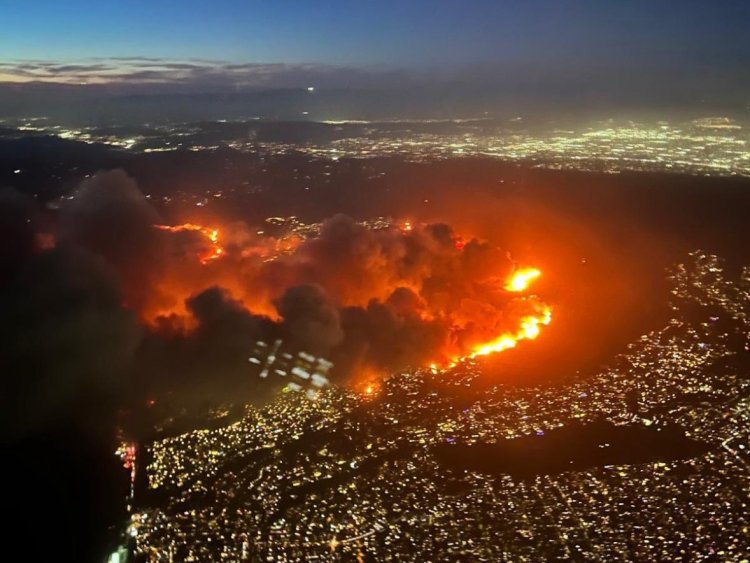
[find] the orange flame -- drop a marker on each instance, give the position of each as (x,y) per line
(212,235)
(521,279)
(529,328)
(530,325)
(532,315)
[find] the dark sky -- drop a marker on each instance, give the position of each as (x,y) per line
(385,43)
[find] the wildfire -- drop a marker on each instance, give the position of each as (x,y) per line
(211,235)
(529,326)
(521,279)
(529,329)
(496,314)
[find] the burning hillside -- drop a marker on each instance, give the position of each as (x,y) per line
(372,296)
(397,293)
(211,236)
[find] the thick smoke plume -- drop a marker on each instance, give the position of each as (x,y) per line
(372,299)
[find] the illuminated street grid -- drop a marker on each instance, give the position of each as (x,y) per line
(718,146)
(350,476)
(604,147)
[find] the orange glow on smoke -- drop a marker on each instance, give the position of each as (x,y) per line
(521,279)
(481,309)
(529,326)
(212,236)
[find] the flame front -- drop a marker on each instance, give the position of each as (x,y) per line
(484,309)
(211,235)
(521,279)
(529,328)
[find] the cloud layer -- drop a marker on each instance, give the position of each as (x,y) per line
(134,73)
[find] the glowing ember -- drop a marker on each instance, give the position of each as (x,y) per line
(45,241)
(521,279)
(212,235)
